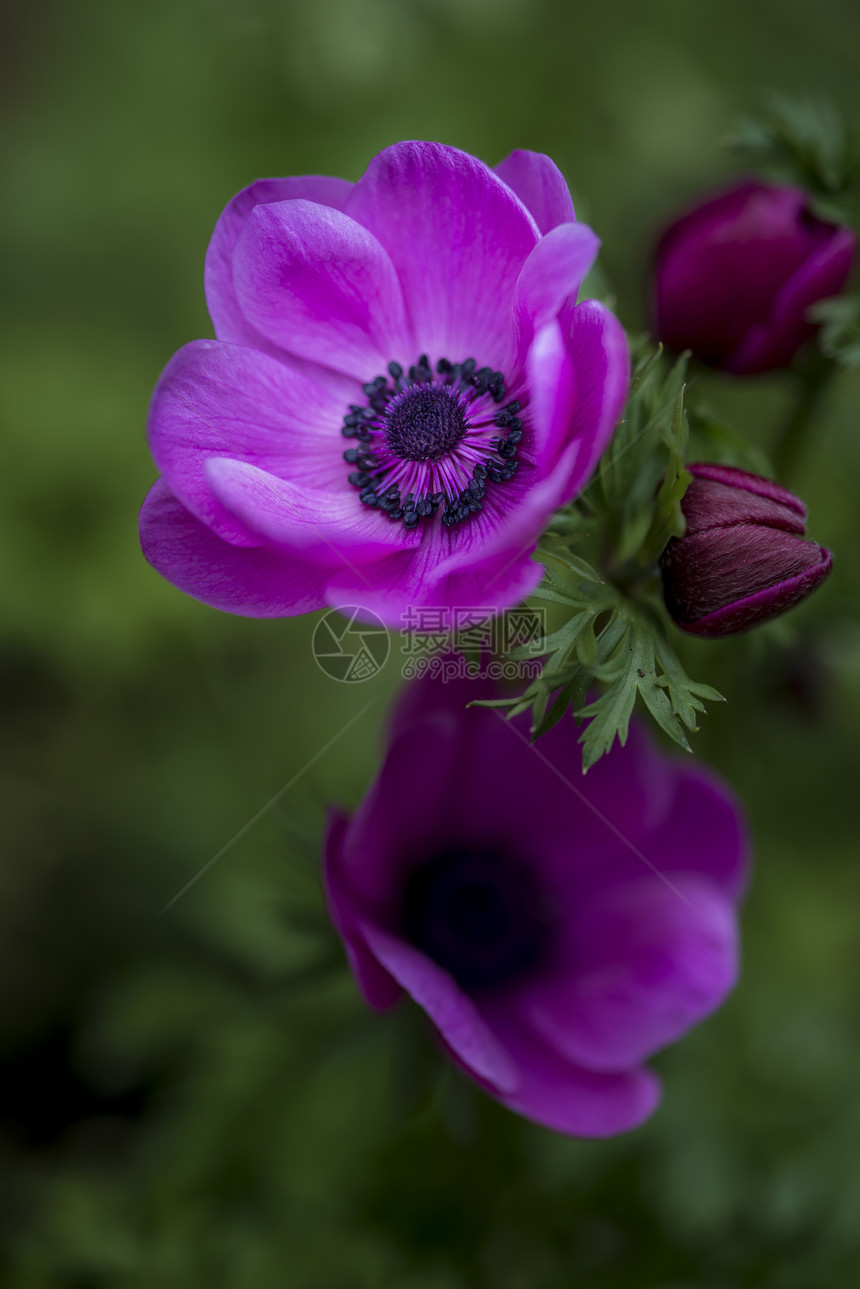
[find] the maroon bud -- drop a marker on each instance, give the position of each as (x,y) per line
(736,276)
(743,558)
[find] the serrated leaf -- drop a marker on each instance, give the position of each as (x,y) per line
(609,715)
(656,699)
(586,646)
(569,592)
(556,710)
(668,518)
(612,710)
(581,567)
(685,694)
(561,640)
(492,702)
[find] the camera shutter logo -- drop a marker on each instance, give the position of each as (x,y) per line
(350,644)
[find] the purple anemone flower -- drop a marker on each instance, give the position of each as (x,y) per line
(557,931)
(735,277)
(402,391)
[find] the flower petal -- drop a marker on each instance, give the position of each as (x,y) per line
(802,572)
(331,528)
(704,832)
(215,399)
(409,581)
(598,351)
(255,582)
(227,318)
(824,274)
(552,385)
(579,831)
(458,238)
(378,987)
(563,1096)
(317,284)
(451,1011)
(400,823)
(540,186)
(553,273)
(647,962)
(721,496)
(578,391)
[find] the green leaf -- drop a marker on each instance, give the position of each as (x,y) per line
(668,520)
(630,512)
(805,141)
(610,713)
(645,367)
(576,565)
(649,443)
(558,641)
(685,695)
(637,674)
(839,337)
(655,697)
(493,702)
(586,645)
(557,708)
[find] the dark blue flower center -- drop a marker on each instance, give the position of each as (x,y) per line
(425,423)
(432,437)
(479,915)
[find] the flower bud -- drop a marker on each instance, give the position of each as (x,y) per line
(743,558)
(736,276)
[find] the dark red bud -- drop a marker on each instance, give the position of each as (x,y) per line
(743,558)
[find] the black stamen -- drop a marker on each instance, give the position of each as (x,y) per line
(423,419)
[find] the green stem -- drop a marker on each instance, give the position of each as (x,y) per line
(815,382)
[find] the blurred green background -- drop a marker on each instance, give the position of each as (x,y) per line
(198,1098)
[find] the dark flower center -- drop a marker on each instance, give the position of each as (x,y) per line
(424,423)
(432,438)
(478,914)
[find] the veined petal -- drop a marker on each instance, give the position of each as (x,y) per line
(221,400)
(540,186)
(258,583)
(227,318)
(577,389)
(552,385)
(320,286)
(553,273)
(458,238)
(332,528)
(598,351)
(398,589)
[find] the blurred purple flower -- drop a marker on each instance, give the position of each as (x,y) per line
(743,558)
(402,391)
(736,276)
(557,931)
